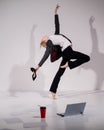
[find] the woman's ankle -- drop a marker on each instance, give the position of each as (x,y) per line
(53,95)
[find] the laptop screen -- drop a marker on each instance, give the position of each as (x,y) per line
(73,109)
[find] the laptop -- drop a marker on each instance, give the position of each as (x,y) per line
(73,109)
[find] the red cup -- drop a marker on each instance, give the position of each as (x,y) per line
(43,112)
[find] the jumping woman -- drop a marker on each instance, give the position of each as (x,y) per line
(68,54)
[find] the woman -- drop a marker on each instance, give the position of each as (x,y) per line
(67,54)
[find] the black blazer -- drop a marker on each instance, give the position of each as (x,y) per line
(49,47)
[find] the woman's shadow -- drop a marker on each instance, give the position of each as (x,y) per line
(96,63)
(21,76)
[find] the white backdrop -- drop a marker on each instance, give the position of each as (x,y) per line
(22,25)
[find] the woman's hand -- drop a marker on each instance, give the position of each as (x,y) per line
(57,7)
(37,67)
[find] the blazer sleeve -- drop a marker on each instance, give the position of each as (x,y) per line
(47,52)
(57,25)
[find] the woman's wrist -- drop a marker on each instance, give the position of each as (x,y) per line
(55,11)
(37,67)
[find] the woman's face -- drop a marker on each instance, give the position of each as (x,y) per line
(45,38)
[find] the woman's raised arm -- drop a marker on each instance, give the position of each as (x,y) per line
(57,25)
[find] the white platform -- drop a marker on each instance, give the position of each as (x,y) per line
(21,111)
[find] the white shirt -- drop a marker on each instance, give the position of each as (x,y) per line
(60,40)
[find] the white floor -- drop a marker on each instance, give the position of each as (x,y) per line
(21,111)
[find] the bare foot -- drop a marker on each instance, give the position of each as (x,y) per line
(64,66)
(53,95)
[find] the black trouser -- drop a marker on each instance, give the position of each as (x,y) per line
(68,54)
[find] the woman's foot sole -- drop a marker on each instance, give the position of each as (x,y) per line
(64,66)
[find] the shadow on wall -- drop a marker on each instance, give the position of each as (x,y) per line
(21,76)
(96,63)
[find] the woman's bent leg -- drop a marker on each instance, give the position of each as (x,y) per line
(79,58)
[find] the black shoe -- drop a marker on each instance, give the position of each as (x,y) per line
(34,75)
(32,69)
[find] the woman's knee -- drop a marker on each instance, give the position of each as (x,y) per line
(60,72)
(88,58)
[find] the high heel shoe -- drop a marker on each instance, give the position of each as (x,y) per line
(34,75)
